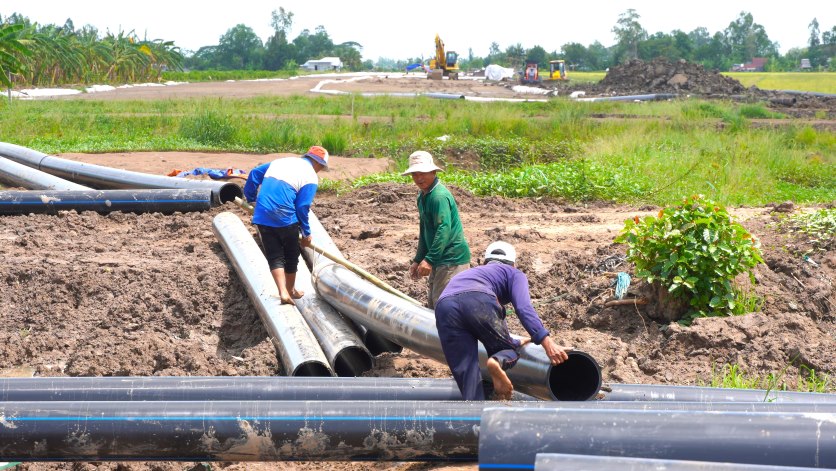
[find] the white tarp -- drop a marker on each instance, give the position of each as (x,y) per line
(497,72)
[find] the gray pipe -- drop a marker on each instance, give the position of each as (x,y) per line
(15,174)
(106,177)
(650,97)
(295,343)
(568,462)
(104,201)
(226,388)
(336,335)
(510,438)
(414,327)
(239,431)
(375,342)
(658,392)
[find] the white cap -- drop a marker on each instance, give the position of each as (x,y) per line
(421,161)
(502,251)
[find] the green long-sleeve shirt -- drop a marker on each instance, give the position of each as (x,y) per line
(441,237)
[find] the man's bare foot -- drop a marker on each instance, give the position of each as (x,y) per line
(502,386)
(296,294)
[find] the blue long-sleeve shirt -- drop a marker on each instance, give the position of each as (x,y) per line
(283,190)
(508,285)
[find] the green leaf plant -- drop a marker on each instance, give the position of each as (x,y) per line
(695,251)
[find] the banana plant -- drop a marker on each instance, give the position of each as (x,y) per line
(10,48)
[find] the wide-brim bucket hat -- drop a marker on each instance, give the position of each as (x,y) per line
(421,161)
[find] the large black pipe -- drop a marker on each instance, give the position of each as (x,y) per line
(414,327)
(19,175)
(337,336)
(239,431)
(287,430)
(99,176)
(295,344)
(226,388)
(659,392)
(375,343)
(568,462)
(510,438)
(104,201)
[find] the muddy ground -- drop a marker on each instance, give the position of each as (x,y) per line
(124,294)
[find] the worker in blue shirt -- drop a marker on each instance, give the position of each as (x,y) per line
(471,308)
(283,191)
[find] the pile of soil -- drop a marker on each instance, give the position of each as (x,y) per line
(123,294)
(663,76)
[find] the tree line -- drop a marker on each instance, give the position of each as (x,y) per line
(47,55)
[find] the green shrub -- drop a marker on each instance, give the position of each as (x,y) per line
(695,251)
(208,128)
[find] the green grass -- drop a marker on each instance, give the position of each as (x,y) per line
(658,154)
(821,82)
(734,377)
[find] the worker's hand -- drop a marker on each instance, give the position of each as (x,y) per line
(413,271)
(556,354)
(424,268)
(305,241)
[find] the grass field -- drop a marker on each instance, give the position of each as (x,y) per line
(560,148)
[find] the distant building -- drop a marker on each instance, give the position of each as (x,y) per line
(326,63)
(805,64)
(757,65)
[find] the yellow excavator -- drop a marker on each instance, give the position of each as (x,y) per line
(444,64)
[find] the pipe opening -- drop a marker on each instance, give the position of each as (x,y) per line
(378,344)
(352,362)
(576,379)
(312,368)
(229,192)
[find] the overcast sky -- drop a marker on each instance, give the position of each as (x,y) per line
(400,29)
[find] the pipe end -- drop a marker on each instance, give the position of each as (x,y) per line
(576,379)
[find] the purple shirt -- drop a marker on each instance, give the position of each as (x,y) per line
(508,285)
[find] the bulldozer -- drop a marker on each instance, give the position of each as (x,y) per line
(444,64)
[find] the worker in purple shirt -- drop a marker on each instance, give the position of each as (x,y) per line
(471,308)
(283,191)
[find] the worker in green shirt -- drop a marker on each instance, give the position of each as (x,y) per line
(442,248)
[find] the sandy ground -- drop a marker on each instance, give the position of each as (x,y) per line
(124,294)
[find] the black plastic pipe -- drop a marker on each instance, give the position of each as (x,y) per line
(375,343)
(99,176)
(567,462)
(337,336)
(104,201)
(510,438)
(19,175)
(295,344)
(226,388)
(239,431)
(297,430)
(414,327)
(658,392)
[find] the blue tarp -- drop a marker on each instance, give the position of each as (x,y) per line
(214,173)
(413,67)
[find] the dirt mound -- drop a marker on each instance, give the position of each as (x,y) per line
(663,76)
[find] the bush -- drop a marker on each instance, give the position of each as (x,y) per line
(695,251)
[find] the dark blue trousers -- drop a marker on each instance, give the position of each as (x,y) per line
(463,320)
